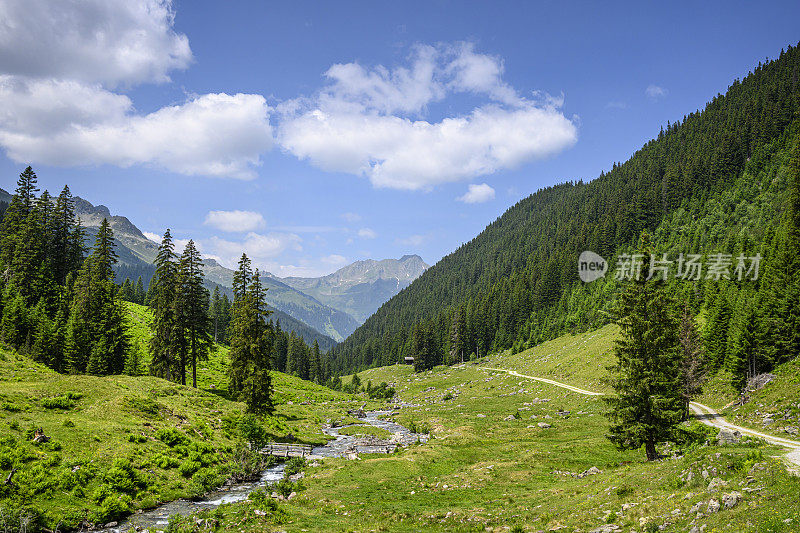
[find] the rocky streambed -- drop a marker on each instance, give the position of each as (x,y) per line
(349,446)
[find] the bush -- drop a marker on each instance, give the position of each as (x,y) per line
(10,407)
(187,468)
(59,402)
(252,431)
(172,437)
(294,465)
(284,487)
(138,439)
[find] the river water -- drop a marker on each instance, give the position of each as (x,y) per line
(341,446)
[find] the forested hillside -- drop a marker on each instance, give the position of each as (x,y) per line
(716,181)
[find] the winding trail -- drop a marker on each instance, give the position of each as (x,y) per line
(703,413)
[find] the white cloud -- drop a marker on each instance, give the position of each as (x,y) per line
(351,217)
(334,260)
(155,237)
(367,233)
(359,123)
(235,220)
(413,240)
(64,123)
(655,92)
(59,62)
(477,194)
(107,41)
(258,247)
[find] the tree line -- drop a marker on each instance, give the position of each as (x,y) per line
(63,307)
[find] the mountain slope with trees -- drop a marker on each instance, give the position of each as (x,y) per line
(715,181)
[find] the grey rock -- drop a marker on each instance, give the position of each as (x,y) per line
(713,506)
(730,500)
(544,425)
(727,436)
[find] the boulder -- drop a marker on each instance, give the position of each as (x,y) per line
(716,484)
(728,436)
(544,425)
(730,500)
(606,528)
(713,506)
(510,417)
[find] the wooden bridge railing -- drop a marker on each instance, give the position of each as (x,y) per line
(286,450)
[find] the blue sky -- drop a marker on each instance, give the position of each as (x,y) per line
(312,135)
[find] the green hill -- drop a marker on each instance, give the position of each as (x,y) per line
(120,443)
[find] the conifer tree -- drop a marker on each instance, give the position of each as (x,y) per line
(693,369)
(165,324)
(192,305)
(138,293)
(96,334)
(648,401)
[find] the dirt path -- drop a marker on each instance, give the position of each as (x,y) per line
(703,413)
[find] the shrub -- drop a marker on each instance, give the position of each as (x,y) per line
(59,402)
(10,407)
(69,423)
(294,465)
(139,439)
(172,437)
(252,431)
(187,468)
(284,487)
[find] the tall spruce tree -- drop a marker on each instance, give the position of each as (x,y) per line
(648,401)
(164,327)
(192,307)
(96,336)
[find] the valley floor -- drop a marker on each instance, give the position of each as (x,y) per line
(512,453)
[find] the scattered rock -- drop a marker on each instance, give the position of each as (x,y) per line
(510,417)
(291,496)
(606,528)
(791,430)
(39,437)
(297,477)
(716,484)
(544,425)
(480,416)
(713,506)
(727,436)
(730,500)
(111,524)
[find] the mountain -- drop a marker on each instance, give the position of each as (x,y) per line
(332,322)
(136,253)
(360,288)
(717,180)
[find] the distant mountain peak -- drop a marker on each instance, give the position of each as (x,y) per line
(360,288)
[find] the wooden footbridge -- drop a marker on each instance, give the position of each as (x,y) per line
(280,449)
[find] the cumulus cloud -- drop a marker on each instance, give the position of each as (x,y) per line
(654,92)
(477,194)
(351,217)
(367,121)
(235,220)
(334,260)
(59,65)
(216,135)
(367,233)
(155,237)
(413,240)
(258,247)
(107,41)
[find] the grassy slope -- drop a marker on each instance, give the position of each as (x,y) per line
(95,430)
(486,471)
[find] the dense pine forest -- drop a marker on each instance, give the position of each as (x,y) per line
(63,308)
(722,180)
